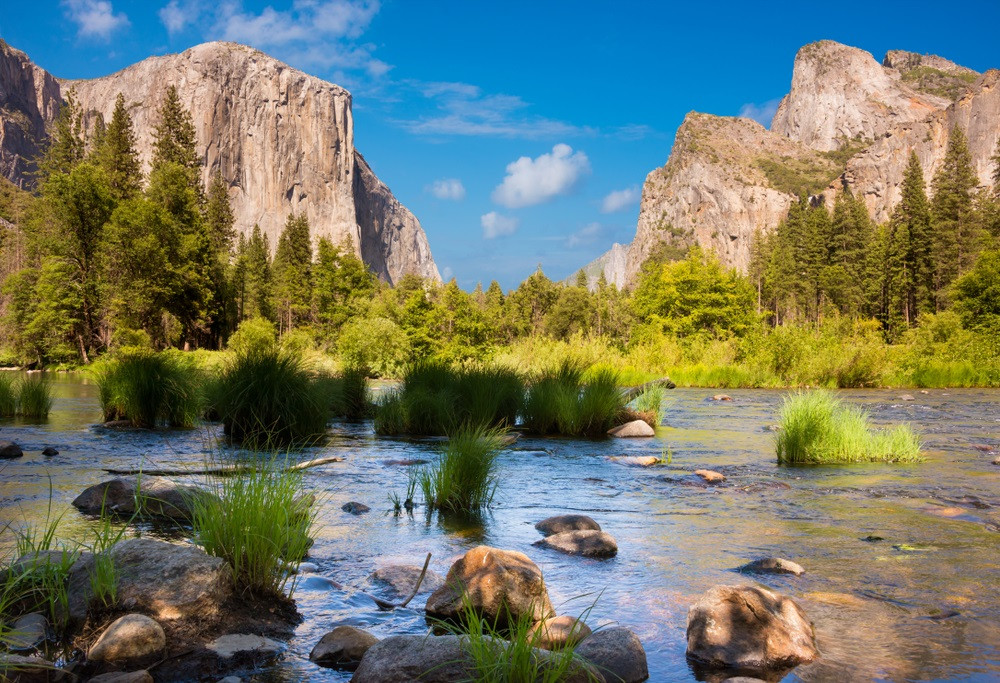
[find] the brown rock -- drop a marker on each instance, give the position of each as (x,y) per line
(746,627)
(130,640)
(558,632)
(123,677)
(21,669)
(711,476)
(722,397)
(561,523)
(342,648)
(636,460)
(773,565)
(617,653)
(150,496)
(498,583)
(632,430)
(245,644)
(586,543)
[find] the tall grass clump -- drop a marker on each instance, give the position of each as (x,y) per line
(34,397)
(465,477)
(560,401)
(505,650)
(8,397)
(435,399)
(257,523)
(650,402)
(818,428)
(266,398)
(149,389)
(347,393)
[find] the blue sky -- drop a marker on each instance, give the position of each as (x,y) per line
(519,133)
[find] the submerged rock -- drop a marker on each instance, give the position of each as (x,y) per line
(749,628)
(22,669)
(906,397)
(588,543)
(562,523)
(49,451)
(408,462)
(134,639)
(558,632)
(722,397)
(342,648)
(27,633)
(355,508)
(617,654)
(10,450)
(401,578)
(245,644)
(123,677)
(711,476)
(773,565)
(636,460)
(150,496)
(631,430)
(497,583)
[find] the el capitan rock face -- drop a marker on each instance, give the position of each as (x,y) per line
(847,121)
(283,140)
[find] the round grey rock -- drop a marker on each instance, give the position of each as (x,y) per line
(773,565)
(28,633)
(563,523)
(401,578)
(585,543)
(632,430)
(342,648)
(617,653)
(130,639)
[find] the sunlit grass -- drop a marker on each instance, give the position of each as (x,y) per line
(818,429)
(34,399)
(465,477)
(8,397)
(561,402)
(149,389)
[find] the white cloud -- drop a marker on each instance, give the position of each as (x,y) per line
(316,32)
(95,18)
(177,15)
(447,188)
(585,235)
(533,181)
(620,199)
(464,109)
(497,225)
(761,113)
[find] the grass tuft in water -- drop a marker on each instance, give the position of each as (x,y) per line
(267,399)
(34,398)
(465,477)
(560,401)
(258,523)
(818,428)
(8,397)
(650,401)
(149,389)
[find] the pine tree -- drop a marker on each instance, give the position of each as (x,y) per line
(253,286)
(293,273)
(996,169)
(66,143)
(581,279)
(117,154)
(174,138)
(218,225)
(956,238)
(219,219)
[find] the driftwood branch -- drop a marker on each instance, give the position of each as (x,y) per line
(385,604)
(223,470)
(633,392)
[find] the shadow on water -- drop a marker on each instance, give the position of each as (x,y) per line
(903,562)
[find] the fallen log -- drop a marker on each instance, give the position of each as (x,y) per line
(222,470)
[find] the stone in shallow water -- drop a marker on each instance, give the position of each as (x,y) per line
(558,632)
(747,627)
(616,653)
(773,565)
(355,508)
(722,397)
(561,523)
(131,639)
(10,450)
(635,460)
(711,476)
(586,543)
(27,633)
(342,648)
(233,644)
(50,451)
(401,578)
(152,496)
(631,430)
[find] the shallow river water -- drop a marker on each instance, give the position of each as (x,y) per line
(921,604)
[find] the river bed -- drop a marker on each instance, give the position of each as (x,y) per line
(923,603)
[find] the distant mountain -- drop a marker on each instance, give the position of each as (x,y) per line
(848,121)
(611,263)
(283,140)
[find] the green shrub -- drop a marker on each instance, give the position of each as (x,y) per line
(266,398)
(350,397)
(34,397)
(817,429)
(376,345)
(149,389)
(8,398)
(257,523)
(465,477)
(253,334)
(651,401)
(561,402)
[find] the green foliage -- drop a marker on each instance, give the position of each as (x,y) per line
(651,401)
(149,389)
(34,398)
(799,177)
(818,429)
(465,477)
(174,139)
(377,345)
(293,273)
(561,402)
(118,155)
(259,524)
(977,293)
(351,396)
(266,398)
(957,234)
(253,334)
(8,397)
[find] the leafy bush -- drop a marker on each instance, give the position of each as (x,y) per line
(376,345)
(254,334)
(817,429)
(465,478)
(149,389)
(266,398)
(259,524)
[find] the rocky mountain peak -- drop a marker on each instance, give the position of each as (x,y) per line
(931,74)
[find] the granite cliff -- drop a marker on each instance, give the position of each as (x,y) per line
(283,140)
(847,121)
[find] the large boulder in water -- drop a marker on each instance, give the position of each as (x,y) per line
(632,430)
(561,523)
(150,496)
(342,648)
(617,653)
(10,450)
(588,543)
(750,629)
(499,583)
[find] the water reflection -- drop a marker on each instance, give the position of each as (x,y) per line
(924,603)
